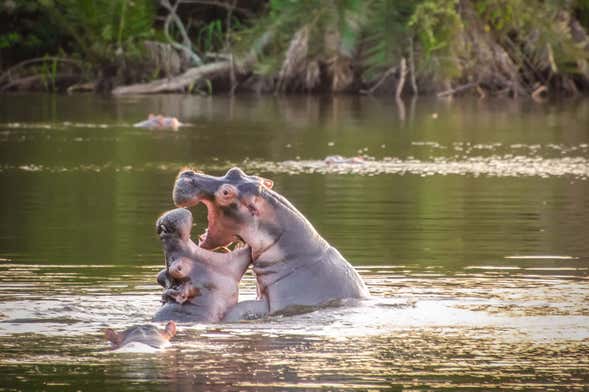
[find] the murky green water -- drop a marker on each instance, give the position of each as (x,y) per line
(468,221)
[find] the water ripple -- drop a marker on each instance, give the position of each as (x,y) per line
(474,329)
(493,166)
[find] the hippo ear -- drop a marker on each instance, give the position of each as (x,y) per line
(171,329)
(268,184)
(112,336)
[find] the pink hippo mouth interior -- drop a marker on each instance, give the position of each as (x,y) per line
(215,235)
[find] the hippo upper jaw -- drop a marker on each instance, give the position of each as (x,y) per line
(191,187)
(232,202)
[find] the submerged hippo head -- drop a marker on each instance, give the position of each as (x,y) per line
(236,204)
(146,334)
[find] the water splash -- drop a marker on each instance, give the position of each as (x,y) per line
(493,166)
(476,329)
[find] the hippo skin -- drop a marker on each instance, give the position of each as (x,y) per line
(200,285)
(295,267)
(145,334)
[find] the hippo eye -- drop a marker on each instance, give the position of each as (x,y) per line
(226,194)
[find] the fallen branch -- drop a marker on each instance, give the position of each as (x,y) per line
(178,83)
(27,82)
(191,76)
(81,87)
(458,89)
(384,77)
(8,73)
(539,94)
(186,45)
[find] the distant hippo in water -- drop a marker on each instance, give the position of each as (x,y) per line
(145,334)
(294,266)
(159,122)
(201,285)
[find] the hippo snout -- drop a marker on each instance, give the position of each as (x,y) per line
(192,187)
(185,193)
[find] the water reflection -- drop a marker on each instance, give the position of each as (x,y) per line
(424,328)
(479,276)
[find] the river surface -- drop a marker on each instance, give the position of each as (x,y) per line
(468,220)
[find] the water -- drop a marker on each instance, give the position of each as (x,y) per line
(467,221)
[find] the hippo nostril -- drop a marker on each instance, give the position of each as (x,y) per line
(225,193)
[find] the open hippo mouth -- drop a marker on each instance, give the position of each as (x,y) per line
(192,188)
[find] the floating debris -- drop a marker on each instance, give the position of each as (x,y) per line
(541,257)
(494,166)
(62,125)
(340,160)
(508,165)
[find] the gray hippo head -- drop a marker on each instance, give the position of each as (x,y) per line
(237,206)
(177,222)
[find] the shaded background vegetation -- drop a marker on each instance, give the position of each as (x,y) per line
(511,47)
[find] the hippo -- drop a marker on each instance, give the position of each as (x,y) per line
(295,267)
(145,334)
(159,122)
(200,285)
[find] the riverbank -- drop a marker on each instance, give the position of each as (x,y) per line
(445,47)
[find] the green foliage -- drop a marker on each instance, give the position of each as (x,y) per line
(49,74)
(436,23)
(26,31)
(317,41)
(386,35)
(581,10)
(211,37)
(535,33)
(376,34)
(103,28)
(9,39)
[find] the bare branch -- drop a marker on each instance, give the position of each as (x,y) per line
(412,66)
(186,45)
(384,77)
(7,75)
(178,83)
(402,74)
(458,89)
